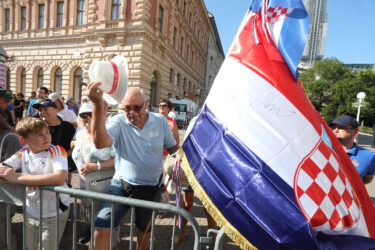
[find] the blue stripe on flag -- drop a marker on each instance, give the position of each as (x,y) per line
(296,25)
(256,201)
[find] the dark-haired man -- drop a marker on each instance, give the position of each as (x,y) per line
(41,95)
(346,130)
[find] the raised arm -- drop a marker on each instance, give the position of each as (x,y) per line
(98,129)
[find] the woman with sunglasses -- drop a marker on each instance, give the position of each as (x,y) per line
(88,159)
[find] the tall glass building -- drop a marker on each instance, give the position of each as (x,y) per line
(314,50)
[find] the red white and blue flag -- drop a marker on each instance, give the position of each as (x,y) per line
(261,159)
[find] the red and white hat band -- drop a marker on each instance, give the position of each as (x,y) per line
(115,78)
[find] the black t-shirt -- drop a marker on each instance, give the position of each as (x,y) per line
(62,134)
(18,102)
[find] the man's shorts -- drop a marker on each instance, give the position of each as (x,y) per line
(142,215)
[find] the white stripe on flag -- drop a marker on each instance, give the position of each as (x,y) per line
(262,118)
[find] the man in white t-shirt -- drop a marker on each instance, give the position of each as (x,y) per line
(64,113)
(41,164)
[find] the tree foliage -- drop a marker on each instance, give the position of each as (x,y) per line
(332,89)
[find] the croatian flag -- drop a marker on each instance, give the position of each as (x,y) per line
(261,159)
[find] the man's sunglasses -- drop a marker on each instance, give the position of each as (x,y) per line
(84,115)
(136,108)
(162,105)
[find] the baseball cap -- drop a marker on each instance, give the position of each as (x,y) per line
(345,120)
(85,108)
(5,94)
(55,96)
(45,103)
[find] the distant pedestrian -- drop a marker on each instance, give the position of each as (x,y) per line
(5,98)
(19,106)
(42,94)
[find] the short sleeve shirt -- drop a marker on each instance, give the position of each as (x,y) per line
(32,111)
(139,153)
(46,162)
(363,160)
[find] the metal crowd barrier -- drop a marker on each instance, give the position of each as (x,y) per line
(14,194)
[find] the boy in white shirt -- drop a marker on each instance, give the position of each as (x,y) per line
(41,164)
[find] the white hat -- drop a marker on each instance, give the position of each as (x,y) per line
(114,78)
(85,108)
(55,96)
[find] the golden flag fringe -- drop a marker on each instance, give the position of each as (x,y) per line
(222,222)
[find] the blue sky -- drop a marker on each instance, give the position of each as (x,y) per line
(351,27)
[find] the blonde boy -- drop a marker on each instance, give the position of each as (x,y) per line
(41,164)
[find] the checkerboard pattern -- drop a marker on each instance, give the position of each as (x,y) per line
(275,13)
(324,193)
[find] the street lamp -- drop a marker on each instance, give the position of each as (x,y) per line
(360,96)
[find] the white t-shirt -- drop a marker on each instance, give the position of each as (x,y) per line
(67,115)
(172,115)
(46,162)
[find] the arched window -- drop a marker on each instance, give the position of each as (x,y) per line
(58,81)
(77,84)
(40,78)
(8,79)
(23,81)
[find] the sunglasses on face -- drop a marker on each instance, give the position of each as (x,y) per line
(85,115)
(163,105)
(136,108)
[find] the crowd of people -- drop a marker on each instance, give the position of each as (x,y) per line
(58,140)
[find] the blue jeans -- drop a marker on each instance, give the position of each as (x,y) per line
(142,215)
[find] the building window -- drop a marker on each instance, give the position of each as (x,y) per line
(189,20)
(7,19)
(23,18)
(116,8)
(41,16)
(60,14)
(77,92)
(176,79)
(174,37)
(80,12)
(23,81)
(160,21)
(184,9)
(40,78)
(170,75)
(184,84)
(181,45)
(58,81)
(187,52)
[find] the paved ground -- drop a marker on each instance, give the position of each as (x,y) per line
(164,226)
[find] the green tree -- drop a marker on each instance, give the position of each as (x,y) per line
(333,89)
(320,80)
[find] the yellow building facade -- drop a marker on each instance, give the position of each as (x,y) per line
(52,44)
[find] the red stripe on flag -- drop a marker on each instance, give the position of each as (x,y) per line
(265,60)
